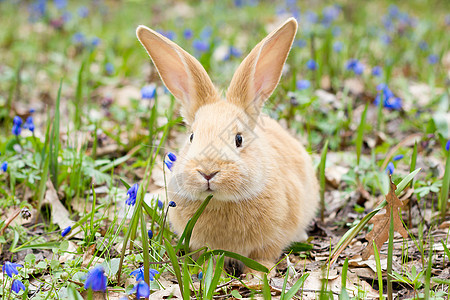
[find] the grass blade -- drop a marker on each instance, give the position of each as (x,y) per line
(323,160)
(390,256)
(297,285)
(344,295)
(245,260)
(266,288)
(176,266)
(216,277)
(186,236)
(378,266)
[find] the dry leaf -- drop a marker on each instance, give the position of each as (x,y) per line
(381,223)
(60,215)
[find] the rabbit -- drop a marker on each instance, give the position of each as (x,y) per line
(264,187)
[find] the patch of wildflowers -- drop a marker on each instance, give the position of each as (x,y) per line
(132,194)
(389,100)
(66,231)
(354,65)
(17,285)
(96,279)
(11,268)
(148,92)
(302,84)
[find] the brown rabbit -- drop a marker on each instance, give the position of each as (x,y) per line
(265,192)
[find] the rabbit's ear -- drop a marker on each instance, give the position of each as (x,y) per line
(259,73)
(182,74)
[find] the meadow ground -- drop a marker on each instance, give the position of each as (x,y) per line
(84,117)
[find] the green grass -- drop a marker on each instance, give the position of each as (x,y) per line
(95,137)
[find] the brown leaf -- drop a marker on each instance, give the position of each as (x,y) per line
(381,223)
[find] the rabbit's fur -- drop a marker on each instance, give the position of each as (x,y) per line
(265,191)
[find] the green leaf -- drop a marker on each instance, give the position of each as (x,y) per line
(266,289)
(127,186)
(176,266)
(215,279)
(298,247)
(186,236)
(245,260)
(236,294)
(297,285)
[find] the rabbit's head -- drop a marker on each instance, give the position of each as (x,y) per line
(225,152)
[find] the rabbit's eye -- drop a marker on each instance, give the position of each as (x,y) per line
(238,140)
(191,137)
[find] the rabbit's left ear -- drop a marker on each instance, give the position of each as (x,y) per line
(182,74)
(259,73)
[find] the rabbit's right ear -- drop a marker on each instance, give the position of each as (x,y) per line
(182,74)
(259,73)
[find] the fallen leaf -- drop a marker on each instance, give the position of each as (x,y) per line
(381,223)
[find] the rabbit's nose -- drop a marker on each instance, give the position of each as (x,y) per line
(208,176)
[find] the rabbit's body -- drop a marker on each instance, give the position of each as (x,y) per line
(263,183)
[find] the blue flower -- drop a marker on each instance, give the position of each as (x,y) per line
(206,33)
(17,285)
(139,273)
(172,204)
(141,289)
(66,231)
(447,146)
(78,38)
(95,41)
(160,204)
(37,9)
(355,65)
(235,52)
(200,45)
(4,166)
(390,168)
(132,194)
(397,157)
(423,45)
(96,279)
(311,64)
(109,68)
(187,34)
(311,17)
(337,46)
(66,16)
(150,234)
(60,4)
(11,268)
(433,59)
(148,92)
(200,275)
(29,124)
(17,121)
(172,156)
(376,71)
(303,84)
(16,130)
(386,39)
(300,43)
(83,11)
(389,100)
(169,164)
